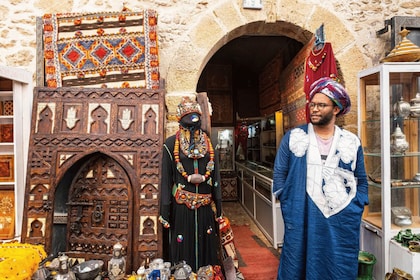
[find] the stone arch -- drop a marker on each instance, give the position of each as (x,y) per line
(229,21)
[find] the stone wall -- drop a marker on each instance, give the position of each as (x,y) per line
(191,31)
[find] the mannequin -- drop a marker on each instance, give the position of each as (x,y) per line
(190,208)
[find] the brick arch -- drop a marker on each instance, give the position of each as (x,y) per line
(229,21)
(215,29)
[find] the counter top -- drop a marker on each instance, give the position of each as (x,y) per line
(257,168)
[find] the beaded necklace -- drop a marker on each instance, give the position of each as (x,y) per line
(314,66)
(195,154)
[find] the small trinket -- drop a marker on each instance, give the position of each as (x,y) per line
(416,177)
(401,216)
(399,143)
(195,118)
(116,266)
(415,106)
(402,108)
(64,272)
(209,230)
(180,238)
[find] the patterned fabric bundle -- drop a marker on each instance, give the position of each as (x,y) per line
(19,261)
(110,49)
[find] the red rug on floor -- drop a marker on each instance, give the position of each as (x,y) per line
(256,260)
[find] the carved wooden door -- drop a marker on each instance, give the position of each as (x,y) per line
(99,210)
(93,172)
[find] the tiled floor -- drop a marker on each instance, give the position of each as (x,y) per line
(237,215)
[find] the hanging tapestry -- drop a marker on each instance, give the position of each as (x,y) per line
(110,49)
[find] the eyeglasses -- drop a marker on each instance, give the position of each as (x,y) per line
(320,106)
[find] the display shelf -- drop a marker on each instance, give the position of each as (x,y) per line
(253,148)
(396,184)
(15,106)
(6,93)
(407,154)
(389,131)
(263,139)
(268,145)
(7,185)
(376,220)
(404,259)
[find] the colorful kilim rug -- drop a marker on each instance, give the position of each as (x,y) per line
(110,49)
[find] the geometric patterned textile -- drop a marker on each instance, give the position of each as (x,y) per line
(107,49)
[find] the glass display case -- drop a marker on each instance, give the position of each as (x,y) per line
(226,147)
(253,146)
(271,134)
(264,137)
(389,114)
(223,140)
(255,182)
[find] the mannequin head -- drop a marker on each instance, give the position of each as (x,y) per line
(189,114)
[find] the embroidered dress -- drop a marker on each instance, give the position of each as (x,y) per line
(194,231)
(322,205)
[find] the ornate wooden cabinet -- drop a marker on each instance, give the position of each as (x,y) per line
(93,173)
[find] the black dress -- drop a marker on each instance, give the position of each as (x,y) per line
(194,232)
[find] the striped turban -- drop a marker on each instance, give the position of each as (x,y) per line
(334,90)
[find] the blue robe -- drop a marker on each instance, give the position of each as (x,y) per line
(321,203)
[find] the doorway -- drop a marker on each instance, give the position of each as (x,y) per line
(233,78)
(94,201)
(237,79)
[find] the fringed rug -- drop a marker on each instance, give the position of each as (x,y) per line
(108,49)
(256,260)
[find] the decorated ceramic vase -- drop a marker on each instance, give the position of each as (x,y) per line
(116,266)
(399,143)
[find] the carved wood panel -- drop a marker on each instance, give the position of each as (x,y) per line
(94,162)
(99,213)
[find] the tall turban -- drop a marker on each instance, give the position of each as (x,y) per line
(334,90)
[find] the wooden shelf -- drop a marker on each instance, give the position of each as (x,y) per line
(376,220)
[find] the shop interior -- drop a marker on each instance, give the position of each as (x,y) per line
(244,127)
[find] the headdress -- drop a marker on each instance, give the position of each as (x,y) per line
(186,107)
(334,90)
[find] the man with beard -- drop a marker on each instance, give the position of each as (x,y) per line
(320,180)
